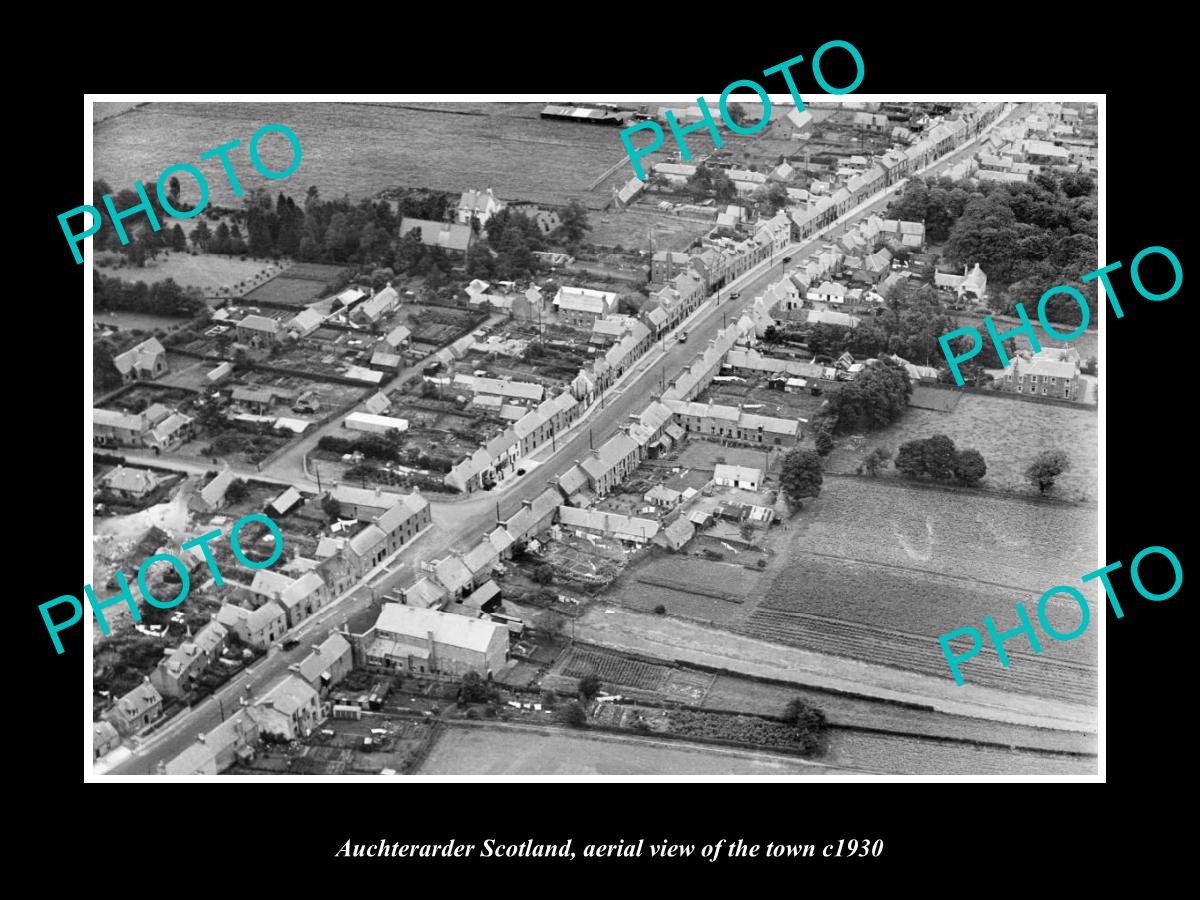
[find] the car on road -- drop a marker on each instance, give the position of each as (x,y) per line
(787,259)
(733,295)
(683,337)
(291,644)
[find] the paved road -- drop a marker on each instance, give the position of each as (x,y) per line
(460,524)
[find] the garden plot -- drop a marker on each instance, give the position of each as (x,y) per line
(690,587)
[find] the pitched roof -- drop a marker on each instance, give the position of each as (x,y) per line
(585,300)
(737,473)
(137,480)
(447,628)
(424,593)
(318,662)
(213,493)
(141,356)
(611,452)
(377,403)
(448,236)
(259,323)
(270,584)
(608,523)
(266,614)
(139,700)
(289,696)
(113,419)
(305,321)
(452,572)
(398,335)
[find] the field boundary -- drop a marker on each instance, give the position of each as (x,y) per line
(1011,395)
(901,481)
(700,592)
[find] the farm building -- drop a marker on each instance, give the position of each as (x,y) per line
(361,421)
(737,476)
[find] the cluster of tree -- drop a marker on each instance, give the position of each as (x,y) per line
(873,400)
(1027,237)
(908,327)
(387,447)
(475,690)
(144,242)
(714,183)
(771,198)
(163,298)
(936,457)
(800,477)
(507,250)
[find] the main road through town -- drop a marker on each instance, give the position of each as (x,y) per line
(460,523)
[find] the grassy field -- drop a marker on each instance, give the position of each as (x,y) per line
(876,572)
(211,273)
(494,751)
(361,148)
(1009,433)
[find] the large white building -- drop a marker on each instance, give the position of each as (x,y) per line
(411,639)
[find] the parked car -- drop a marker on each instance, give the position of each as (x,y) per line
(683,337)
(291,644)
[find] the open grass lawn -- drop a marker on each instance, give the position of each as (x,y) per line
(496,751)
(211,273)
(1009,433)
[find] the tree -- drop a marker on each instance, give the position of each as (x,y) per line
(573,223)
(176,239)
(774,198)
(543,574)
(589,686)
(549,699)
(1046,467)
(824,441)
(550,623)
(237,491)
(573,714)
(801,476)
(660,610)
(475,690)
(969,466)
(331,507)
(877,459)
(201,236)
(809,724)
(104,371)
(746,530)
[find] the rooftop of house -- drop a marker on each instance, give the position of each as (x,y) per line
(446,628)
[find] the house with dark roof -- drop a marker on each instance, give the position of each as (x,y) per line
(137,709)
(328,663)
(450,236)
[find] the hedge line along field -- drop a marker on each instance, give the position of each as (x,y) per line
(1008,432)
